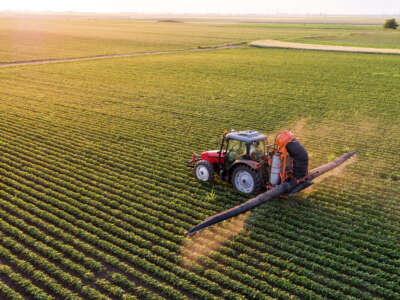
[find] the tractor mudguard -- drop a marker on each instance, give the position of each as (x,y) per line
(251,163)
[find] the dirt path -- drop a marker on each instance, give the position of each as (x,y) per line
(64,60)
(289,45)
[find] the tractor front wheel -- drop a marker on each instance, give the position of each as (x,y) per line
(204,171)
(246,180)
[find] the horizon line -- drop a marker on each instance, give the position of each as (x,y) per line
(277,14)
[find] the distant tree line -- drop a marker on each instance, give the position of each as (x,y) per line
(391,23)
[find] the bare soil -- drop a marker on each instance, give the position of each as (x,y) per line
(301,46)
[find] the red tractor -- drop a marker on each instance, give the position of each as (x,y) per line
(245,159)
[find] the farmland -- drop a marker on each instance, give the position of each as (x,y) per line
(95,196)
(34,38)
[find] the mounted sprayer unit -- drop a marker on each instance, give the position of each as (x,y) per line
(245,159)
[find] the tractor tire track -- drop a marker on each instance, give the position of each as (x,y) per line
(73,59)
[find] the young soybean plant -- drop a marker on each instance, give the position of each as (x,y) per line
(210,197)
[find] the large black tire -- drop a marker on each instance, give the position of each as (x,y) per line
(246,180)
(204,171)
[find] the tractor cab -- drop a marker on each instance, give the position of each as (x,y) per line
(249,145)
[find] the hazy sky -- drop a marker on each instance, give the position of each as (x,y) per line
(210,6)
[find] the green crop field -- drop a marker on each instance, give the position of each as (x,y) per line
(95,196)
(32,38)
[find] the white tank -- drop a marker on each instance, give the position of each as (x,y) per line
(276,167)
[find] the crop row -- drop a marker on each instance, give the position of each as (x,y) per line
(37,218)
(302,264)
(6,291)
(93,181)
(61,184)
(87,178)
(349,274)
(71,239)
(306,278)
(297,285)
(46,251)
(112,243)
(26,267)
(97,162)
(21,282)
(66,249)
(56,273)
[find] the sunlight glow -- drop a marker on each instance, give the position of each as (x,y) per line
(372,7)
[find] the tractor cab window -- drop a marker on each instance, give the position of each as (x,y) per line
(236,150)
(257,150)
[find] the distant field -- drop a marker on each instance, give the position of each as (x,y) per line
(95,195)
(331,34)
(33,38)
(370,38)
(319,47)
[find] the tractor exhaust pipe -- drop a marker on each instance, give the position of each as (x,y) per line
(270,194)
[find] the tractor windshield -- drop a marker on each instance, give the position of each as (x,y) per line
(236,150)
(257,150)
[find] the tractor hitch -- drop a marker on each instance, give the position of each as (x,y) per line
(195,158)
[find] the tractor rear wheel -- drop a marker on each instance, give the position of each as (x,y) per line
(204,171)
(246,180)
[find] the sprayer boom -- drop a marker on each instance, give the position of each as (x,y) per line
(276,191)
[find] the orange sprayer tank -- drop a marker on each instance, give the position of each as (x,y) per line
(284,138)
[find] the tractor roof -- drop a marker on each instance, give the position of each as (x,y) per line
(246,136)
